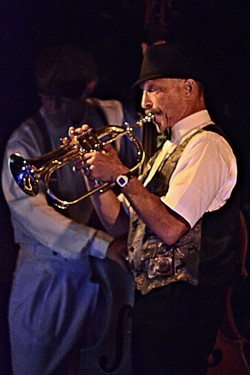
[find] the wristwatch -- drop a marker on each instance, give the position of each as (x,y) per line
(123,179)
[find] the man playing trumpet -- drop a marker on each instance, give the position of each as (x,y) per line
(181,218)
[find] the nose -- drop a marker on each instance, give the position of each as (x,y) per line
(145,100)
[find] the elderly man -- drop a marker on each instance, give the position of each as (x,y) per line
(181,216)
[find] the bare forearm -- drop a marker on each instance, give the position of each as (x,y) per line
(163,222)
(111,213)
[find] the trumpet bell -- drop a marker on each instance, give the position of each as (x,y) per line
(23,174)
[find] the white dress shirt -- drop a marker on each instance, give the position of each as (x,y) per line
(205,174)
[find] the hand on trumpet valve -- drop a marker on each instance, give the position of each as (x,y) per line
(72,137)
(101,164)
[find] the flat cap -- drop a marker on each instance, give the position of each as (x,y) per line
(64,70)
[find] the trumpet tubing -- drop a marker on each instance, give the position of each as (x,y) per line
(28,172)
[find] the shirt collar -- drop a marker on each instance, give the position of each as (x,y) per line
(195,121)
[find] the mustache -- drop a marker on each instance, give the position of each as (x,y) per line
(153,112)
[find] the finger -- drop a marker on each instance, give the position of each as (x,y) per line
(85,127)
(82,129)
(88,157)
(64,140)
(107,148)
(71,132)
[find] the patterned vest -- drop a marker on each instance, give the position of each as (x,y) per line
(206,253)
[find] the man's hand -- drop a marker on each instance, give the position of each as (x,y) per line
(103,165)
(118,251)
(73,135)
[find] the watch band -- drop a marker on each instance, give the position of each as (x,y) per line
(123,179)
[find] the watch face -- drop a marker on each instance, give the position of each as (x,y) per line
(122,180)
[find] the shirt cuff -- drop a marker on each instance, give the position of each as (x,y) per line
(100,244)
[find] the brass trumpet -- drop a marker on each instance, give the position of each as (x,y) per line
(28,173)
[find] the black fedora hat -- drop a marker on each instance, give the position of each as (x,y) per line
(173,60)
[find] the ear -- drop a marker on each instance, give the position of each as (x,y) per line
(189,86)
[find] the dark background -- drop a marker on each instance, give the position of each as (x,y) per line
(113,31)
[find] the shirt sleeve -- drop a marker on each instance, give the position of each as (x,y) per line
(34,221)
(204,177)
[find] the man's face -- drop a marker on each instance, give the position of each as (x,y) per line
(62,111)
(165,98)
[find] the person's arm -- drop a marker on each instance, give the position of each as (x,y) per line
(111,213)
(162,221)
(204,177)
(202,181)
